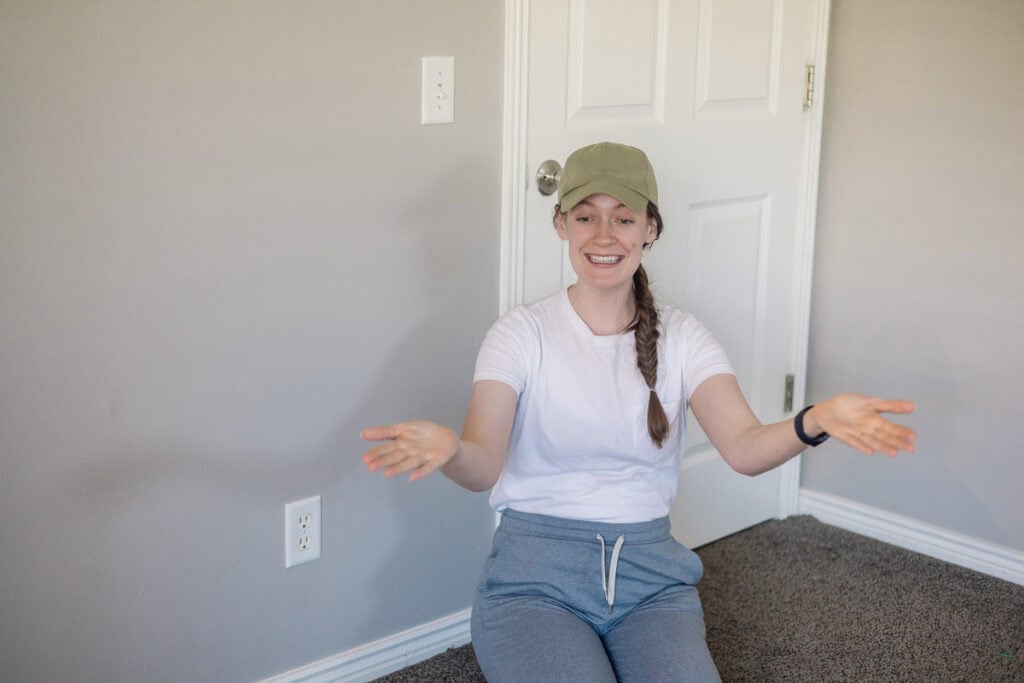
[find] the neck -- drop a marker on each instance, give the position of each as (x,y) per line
(605,311)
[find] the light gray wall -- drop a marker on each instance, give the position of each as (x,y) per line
(918,280)
(226,245)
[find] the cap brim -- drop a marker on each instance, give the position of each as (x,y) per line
(636,202)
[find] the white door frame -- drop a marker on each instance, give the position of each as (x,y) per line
(516,182)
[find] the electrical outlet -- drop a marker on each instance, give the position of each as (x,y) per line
(302,531)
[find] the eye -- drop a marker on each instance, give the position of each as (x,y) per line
(582,218)
(626,220)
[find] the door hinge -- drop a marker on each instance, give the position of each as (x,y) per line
(787,404)
(809,88)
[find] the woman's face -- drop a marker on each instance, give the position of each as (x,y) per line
(606,240)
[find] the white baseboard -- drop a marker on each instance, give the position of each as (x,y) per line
(905,532)
(384,656)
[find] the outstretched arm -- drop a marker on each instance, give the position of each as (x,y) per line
(753,448)
(473,461)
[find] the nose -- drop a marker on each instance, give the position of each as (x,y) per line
(604,231)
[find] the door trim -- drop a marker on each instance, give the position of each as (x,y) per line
(803,259)
(516,183)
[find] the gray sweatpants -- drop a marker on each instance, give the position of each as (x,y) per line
(568,600)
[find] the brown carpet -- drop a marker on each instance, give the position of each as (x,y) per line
(797,600)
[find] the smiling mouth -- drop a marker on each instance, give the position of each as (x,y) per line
(594,258)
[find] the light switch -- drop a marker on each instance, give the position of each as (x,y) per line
(438,90)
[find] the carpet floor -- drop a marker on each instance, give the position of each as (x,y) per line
(798,600)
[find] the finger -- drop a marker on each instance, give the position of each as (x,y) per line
(390,460)
(854,441)
(890,442)
(405,465)
(870,441)
(901,437)
(897,435)
(422,471)
(380,433)
(879,445)
(897,407)
(372,455)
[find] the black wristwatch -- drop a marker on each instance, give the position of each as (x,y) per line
(798,424)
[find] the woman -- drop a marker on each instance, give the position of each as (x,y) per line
(575,421)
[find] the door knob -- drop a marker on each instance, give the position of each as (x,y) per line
(547,176)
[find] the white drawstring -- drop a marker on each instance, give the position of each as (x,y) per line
(608,582)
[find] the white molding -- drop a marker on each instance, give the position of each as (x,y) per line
(803,259)
(384,656)
(514,180)
(905,532)
(789,488)
(807,206)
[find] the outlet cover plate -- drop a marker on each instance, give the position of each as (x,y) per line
(302,531)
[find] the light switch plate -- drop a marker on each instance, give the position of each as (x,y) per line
(438,105)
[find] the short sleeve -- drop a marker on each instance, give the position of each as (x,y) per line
(703,356)
(506,350)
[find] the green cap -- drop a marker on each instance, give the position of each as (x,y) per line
(621,171)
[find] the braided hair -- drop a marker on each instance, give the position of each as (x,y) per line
(645,332)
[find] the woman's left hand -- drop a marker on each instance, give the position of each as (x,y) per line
(857,421)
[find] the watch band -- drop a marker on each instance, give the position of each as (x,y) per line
(798,424)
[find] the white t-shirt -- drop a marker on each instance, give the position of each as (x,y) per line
(579,447)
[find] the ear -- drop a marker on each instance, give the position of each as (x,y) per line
(652,232)
(560,226)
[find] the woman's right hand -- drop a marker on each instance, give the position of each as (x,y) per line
(419,447)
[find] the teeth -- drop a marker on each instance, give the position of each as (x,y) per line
(604,259)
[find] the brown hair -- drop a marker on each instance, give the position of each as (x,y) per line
(645,332)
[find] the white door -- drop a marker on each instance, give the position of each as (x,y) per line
(713,91)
